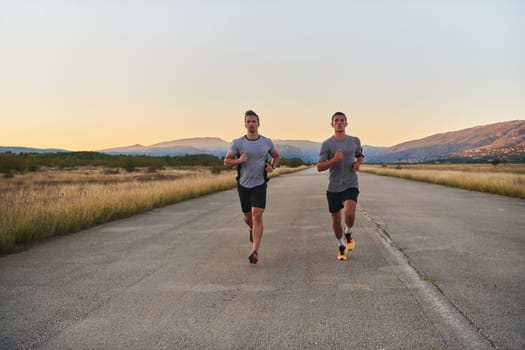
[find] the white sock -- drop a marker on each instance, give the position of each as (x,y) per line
(341,241)
(348,229)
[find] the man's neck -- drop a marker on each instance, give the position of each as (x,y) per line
(252,136)
(340,135)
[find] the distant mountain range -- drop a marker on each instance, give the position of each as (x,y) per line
(306,150)
(16,149)
(499,140)
(199,145)
(502,140)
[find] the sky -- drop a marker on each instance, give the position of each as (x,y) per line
(91,75)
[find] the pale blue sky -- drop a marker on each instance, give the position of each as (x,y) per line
(88,75)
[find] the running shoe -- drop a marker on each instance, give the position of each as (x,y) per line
(341,254)
(254,257)
(350,243)
(251,236)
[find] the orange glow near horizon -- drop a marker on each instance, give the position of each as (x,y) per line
(67,83)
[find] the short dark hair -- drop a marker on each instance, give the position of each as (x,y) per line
(249,113)
(339,113)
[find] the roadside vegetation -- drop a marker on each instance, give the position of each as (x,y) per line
(11,163)
(47,195)
(503,179)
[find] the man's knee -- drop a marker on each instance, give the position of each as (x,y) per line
(349,208)
(349,214)
(257,213)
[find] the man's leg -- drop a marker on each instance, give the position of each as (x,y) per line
(244,196)
(248,220)
(336,225)
(349,212)
(257,226)
(258,202)
(335,206)
(338,231)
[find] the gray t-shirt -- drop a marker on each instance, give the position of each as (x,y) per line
(252,171)
(342,176)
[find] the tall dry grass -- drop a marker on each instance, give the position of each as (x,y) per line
(506,181)
(36,206)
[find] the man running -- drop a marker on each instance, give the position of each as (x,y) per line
(250,153)
(342,154)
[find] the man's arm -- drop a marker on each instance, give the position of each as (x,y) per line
(359,156)
(322,166)
(276,158)
(358,162)
(230,159)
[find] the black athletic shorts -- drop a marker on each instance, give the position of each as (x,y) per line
(252,197)
(336,199)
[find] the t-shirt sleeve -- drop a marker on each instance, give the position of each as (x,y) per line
(234,147)
(359,149)
(272,146)
(323,153)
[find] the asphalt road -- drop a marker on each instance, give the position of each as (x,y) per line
(433,268)
(470,244)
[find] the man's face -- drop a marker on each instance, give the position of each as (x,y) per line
(339,123)
(251,124)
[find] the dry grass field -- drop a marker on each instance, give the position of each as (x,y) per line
(38,205)
(503,179)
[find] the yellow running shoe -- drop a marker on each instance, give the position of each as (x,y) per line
(341,254)
(350,243)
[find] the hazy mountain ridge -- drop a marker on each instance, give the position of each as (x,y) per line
(199,145)
(303,149)
(202,143)
(20,149)
(476,142)
(501,140)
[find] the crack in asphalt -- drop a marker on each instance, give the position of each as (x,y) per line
(424,278)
